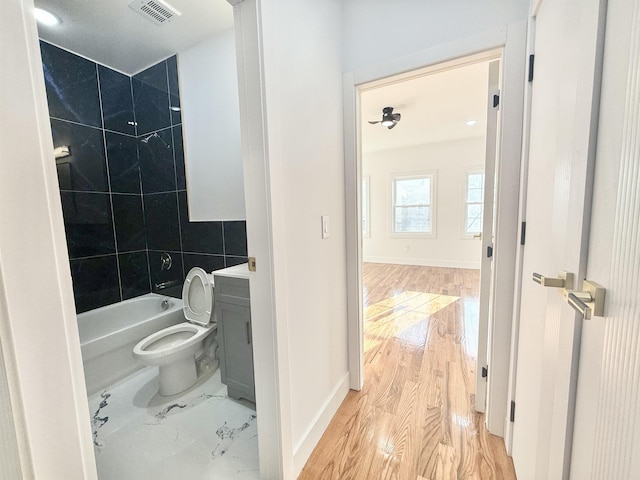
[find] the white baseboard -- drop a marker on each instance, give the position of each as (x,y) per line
(321,421)
(423,262)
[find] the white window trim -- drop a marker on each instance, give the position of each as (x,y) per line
(366,180)
(463,209)
(433,174)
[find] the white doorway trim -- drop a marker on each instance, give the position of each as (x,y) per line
(512,39)
(270,338)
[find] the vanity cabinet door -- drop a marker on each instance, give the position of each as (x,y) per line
(236,350)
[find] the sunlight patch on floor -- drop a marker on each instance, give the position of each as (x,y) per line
(400,315)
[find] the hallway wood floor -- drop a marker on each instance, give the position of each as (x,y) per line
(414,418)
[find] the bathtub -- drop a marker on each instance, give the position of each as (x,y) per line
(108,335)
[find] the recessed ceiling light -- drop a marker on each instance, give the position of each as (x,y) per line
(471,123)
(45,18)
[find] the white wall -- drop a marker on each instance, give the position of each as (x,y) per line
(303,91)
(450,161)
(211,129)
(416,25)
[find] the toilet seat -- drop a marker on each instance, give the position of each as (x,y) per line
(169,341)
(197,296)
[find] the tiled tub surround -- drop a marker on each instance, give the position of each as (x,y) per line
(199,435)
(123,185)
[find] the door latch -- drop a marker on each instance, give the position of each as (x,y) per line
(589,301)
(563,280)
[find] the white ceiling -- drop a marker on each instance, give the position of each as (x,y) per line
(434,108)
(111,33)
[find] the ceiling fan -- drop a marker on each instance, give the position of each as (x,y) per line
(389,119)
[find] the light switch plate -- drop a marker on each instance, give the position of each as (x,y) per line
(325,226)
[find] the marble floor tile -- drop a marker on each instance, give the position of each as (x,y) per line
(201,434)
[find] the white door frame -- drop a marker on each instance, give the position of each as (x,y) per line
(38,326)
(512,39)
(270,337)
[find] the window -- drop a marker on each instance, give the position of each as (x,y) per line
(474,201)
(366,216)
(413,205)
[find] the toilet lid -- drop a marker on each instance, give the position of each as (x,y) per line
(197,296)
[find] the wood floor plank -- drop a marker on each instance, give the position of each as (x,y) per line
(414,417)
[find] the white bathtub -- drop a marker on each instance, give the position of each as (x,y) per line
(108,335)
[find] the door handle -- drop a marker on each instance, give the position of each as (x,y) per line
(563,280)
(589,301)
(248,325)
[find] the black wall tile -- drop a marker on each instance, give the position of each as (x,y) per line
(178,149)
(161,218)
(88,224)
(208,263)
(134,274)
(174,91)
(95,282)
(232,261)
(156,162)
(72,86)
(235,238)
(149,161)
(199,237)
(85,169)
(124,167)
(117,101)
(151,99)
(129,221)
(174,277)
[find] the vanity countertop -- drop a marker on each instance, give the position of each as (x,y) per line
(237,271)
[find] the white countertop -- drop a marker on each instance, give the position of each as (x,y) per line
(237,271)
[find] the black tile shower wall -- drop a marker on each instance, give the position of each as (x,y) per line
(94,132)
(122,182)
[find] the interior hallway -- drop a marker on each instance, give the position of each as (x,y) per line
(414,418)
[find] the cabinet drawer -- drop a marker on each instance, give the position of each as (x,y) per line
(231,290)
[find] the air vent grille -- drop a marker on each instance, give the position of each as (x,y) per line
(156,11)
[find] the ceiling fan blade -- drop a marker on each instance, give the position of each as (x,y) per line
(396,117)
(373,123)
(391,126)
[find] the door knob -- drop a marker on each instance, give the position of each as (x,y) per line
(563,280)
(589,301)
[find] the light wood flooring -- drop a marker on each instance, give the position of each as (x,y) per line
(414,418)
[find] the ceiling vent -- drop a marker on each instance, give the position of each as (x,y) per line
(156,11)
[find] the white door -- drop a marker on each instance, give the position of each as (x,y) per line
(563,126)
(488,227)
(607,422)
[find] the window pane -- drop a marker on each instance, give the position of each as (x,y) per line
(475,194)
(474,218)
(413,191)
(476,180)
(413,220)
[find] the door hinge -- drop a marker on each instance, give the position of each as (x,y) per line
(532,58)
(252,264)
(512,413)
(489,251)
(485,371)
(523,232)
(496,101)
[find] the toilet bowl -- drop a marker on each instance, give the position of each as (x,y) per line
(174,349)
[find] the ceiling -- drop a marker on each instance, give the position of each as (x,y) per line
(111,33)
(434,107)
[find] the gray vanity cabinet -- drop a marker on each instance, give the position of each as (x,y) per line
(235,350)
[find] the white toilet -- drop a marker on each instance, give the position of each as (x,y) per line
(174,349)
